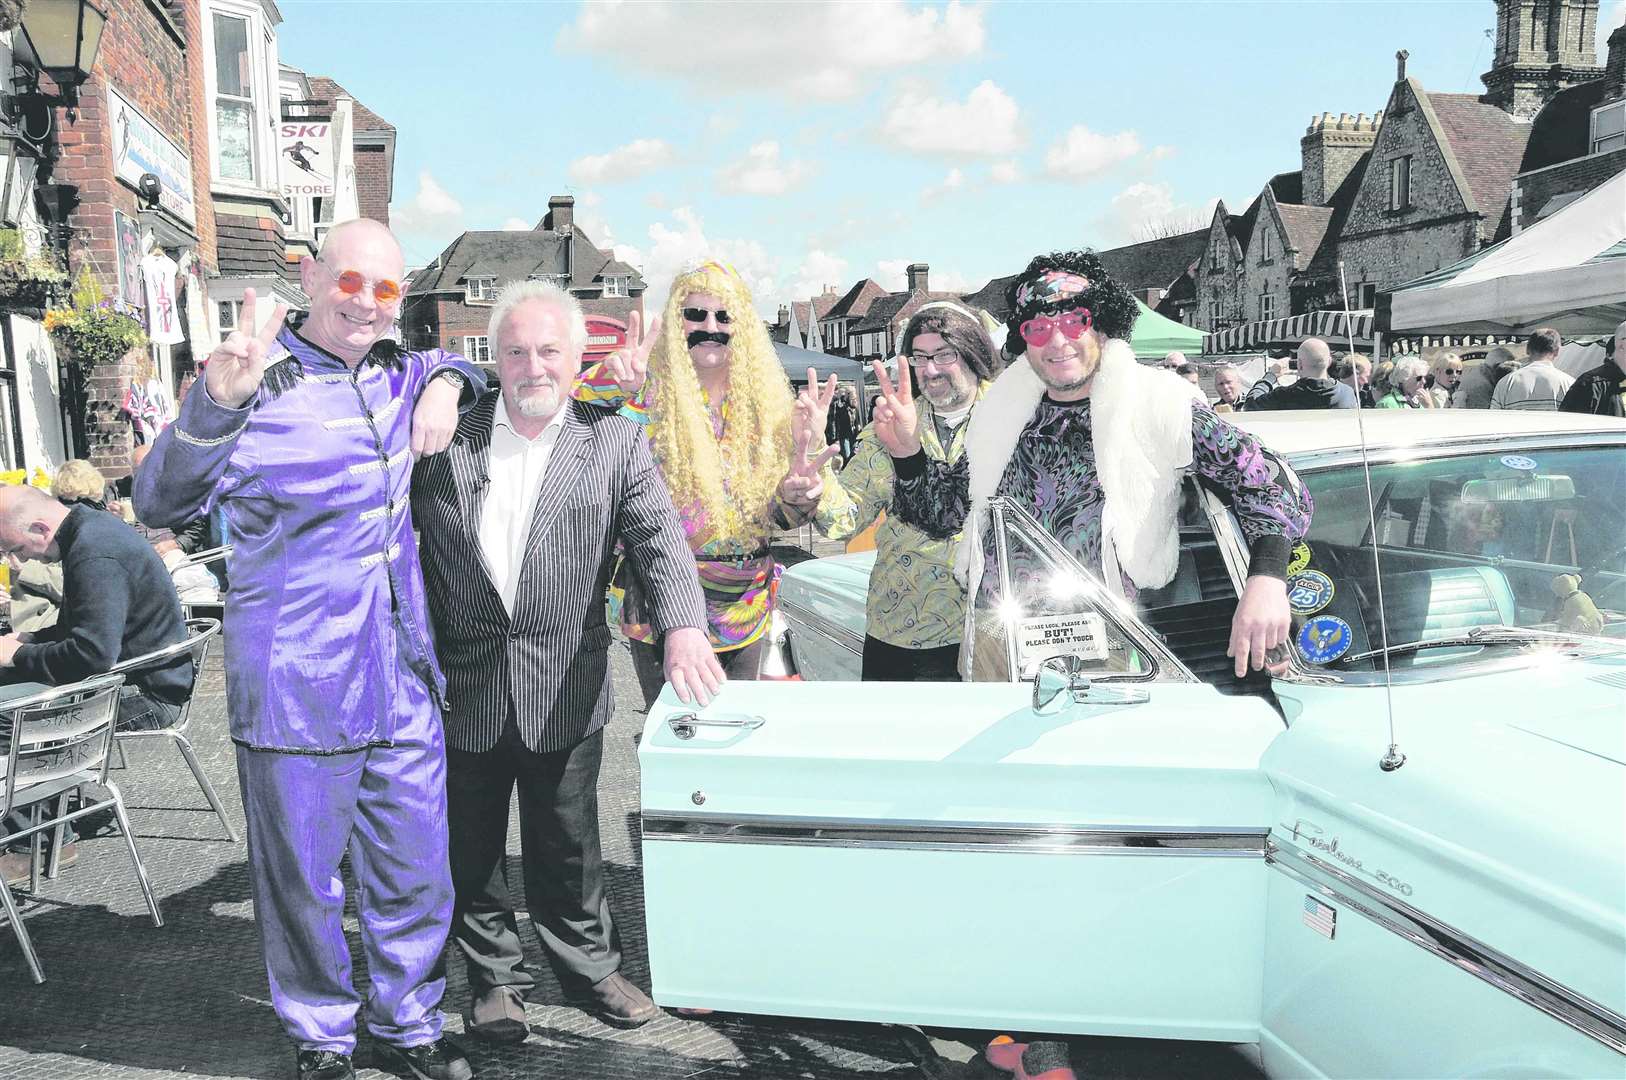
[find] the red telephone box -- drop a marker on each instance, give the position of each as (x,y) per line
(604,336)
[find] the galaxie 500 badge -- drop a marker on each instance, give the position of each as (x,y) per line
(1083,635)
(1325,638)
(1309,591)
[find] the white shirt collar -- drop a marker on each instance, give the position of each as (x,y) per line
(501,419)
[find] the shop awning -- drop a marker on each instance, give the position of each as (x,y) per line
(1567,271)
(1334,327)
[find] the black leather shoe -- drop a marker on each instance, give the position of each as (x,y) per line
(439,1060)
(325,1065)
(619,1003)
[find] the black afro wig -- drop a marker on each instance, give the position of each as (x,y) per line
(1112,307)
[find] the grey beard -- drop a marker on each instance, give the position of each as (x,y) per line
(545,403)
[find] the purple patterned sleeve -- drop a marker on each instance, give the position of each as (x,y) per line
(1269,500)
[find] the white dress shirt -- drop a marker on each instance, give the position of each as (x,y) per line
(515,466)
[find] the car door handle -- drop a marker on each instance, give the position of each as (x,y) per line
(683,724)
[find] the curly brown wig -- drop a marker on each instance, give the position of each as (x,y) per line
(1112,306)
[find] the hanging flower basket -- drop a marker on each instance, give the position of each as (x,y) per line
(91,331)
(28,280)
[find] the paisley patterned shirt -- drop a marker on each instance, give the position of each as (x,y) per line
(1052,473)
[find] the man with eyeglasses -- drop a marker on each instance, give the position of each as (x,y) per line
(1095,446)
(305,435)
(915,611)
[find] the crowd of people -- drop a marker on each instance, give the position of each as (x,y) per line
(1499,381)
(386,706)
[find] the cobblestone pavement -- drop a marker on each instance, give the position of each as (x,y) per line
(126,999)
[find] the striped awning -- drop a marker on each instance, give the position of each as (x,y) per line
(1334,326)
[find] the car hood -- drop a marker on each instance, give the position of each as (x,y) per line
(1590,720)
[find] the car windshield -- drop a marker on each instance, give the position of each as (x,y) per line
(1479,552)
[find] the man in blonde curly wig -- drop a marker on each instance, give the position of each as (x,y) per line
(717,406)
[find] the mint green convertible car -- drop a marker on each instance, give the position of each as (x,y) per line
(1404,857)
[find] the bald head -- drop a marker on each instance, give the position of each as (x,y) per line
(359,231)
(1314,359)
(348,323)
(1173,360)
(29,519)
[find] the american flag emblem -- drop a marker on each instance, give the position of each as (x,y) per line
(1319,917)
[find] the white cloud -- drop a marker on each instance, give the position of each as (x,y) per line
(892,274)
(637,158)
(952,182)
(516,224)
(432,207)
(827,51)
(681,244)
(1082,153)
(1606,26)
(761,172)
(1005,172)
(818,269)
(986,124)
(1144,211)
(889,274)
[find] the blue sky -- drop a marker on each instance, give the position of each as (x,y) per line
(817,143)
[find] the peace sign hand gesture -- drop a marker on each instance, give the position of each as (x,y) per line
(236,368)
(897,421)
(803,485)
(629,367)
(813,406)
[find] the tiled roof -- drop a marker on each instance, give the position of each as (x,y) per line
(1287,187)
(855,302)
(885,308)
(1306,227)
(1155,264)
(325,89)
(1563,128)
(1488,145)
(514,255)
(991,297)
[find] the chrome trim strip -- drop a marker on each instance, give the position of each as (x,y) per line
(1451,945)
(954,836)
(833,632)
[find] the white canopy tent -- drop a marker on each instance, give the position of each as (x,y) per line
(1567,272)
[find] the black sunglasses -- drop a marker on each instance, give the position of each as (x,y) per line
(698,314)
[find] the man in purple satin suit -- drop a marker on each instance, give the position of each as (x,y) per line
(304,434)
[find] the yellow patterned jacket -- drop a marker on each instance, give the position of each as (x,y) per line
(914,600)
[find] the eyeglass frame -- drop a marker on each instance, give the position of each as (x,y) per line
(917,361)
(721,315)
(370,284)
(1086,323)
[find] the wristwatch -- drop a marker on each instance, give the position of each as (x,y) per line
(452,375)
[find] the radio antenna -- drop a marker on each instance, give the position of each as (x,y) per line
(1392,758)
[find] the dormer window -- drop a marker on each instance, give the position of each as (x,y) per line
(615,286)
(1609,127)
(482,289)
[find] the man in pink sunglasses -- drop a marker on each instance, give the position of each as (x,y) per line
(1094,446)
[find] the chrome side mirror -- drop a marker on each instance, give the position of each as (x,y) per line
(1060,681)
(1054,679)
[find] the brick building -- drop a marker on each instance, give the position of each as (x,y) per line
(140,112)
(848,310)
(448,303)
(373,139)
(1577,141)
(876,336)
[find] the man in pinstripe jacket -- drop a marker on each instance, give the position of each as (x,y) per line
(520,520)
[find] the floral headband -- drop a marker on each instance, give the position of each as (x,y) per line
(1050,287)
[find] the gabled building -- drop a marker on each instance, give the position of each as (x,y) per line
(1436,189)
(448,304)
(847,311)
(1221,278)
(876,335)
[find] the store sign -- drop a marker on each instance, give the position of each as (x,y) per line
(139,147)
(305,158)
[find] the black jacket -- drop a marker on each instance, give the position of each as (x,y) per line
(1304,394)
(1601,392)
(118,602)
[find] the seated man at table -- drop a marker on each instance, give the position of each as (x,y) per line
(118,602)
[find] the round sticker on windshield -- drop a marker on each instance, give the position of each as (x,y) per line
(1325,638)
(1300,559)
(1519,463)
(1309,592)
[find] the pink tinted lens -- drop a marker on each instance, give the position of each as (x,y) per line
(1038,331)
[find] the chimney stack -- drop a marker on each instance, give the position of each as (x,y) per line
(916,274)
(1400,65)
(561,212)
(1330,148)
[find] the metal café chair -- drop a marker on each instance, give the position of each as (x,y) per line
(200,632)
(193,604)
(57,741)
